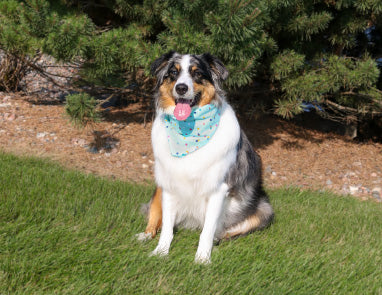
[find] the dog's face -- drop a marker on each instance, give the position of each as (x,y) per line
(187,79)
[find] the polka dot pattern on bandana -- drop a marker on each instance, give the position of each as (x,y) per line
(185,137)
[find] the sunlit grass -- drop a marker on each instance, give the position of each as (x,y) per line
(64,232)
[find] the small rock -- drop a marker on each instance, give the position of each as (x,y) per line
(41,134)
(145,166)
(11,117)
(362,189)
(274,173)
(268,169)
(107,154)
(376,195)
(373,174)
(357,164)
(353,189)
(329,182)
(5,105)
(78,141)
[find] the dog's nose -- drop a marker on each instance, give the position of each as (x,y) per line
(181,88)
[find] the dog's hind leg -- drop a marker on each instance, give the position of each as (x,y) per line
(261,219)
(154,216)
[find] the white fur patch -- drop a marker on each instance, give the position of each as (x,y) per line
(199,174)
(185,78)
(143,237)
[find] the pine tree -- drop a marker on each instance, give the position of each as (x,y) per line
(116,39)
(327,57)
(33,27)
(318,52)
(231,30)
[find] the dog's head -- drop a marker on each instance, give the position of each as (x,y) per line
(192,80)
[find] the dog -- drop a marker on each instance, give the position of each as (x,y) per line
(207,174)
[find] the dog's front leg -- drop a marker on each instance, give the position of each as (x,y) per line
(168,221)
(213,212)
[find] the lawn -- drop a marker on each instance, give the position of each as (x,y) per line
(64,232)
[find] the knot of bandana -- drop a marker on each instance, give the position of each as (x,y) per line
(185,137)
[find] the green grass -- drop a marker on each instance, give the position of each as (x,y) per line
(63,232)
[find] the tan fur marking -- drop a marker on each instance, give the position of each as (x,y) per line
(166,99)
(177,66)
(155,213)
(208,93)
(244,227)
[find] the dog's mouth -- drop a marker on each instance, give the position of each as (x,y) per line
(190,102)
(183,107)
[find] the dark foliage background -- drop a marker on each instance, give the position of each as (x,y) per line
(324,55)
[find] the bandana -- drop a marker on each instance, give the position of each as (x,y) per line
(185,137)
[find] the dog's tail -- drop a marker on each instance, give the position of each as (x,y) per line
(261,219)
(145,208)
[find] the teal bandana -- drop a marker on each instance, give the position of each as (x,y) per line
(185,137)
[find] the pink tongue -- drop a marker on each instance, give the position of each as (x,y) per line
(182,111)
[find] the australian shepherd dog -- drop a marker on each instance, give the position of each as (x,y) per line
(207,174)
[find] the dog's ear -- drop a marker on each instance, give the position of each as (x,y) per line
(160,63)
(216,65)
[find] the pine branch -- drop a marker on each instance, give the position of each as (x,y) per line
(349,110)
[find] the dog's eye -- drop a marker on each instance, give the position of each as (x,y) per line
(198,74)
(173,72)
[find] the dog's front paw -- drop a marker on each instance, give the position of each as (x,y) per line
(143,236)
(202,258)
(160,251)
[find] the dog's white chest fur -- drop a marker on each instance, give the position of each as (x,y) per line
(191,180)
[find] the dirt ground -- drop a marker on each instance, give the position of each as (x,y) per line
(291,155)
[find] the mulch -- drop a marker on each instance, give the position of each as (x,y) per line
(120,147)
